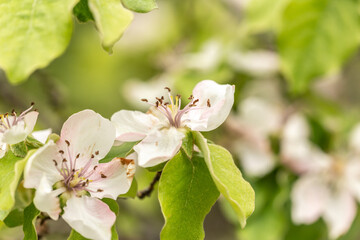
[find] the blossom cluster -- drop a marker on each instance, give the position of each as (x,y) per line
(68,173)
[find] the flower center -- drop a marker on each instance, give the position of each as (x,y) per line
(172,110)
(76,179)
(8,121)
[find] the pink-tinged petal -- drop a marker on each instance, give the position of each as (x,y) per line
(256,160)
(159,146)
(355,138)
(3,149)
(113,178)
(220,99)
(339,213)
(40,164)
(309,197)
(42,135)
(88,134)
(90,217)
(46,199)
(132,126)
(30,121)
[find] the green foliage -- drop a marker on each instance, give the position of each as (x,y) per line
(33,143)
(15,218)
(111,19)
(74,235)
(141,6)
(82,11)
(30,215)
(32,34)
(19,149)
(316,37)
(11,168)
(186,195)
(228,178)
(188,144)
(132,191)
(119,151)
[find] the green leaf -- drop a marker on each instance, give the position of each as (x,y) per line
(30,214)
(33,143)
(132,191)
(111,19)
(228,178)
(119,151)
(188,144)
(82,11)
(186,195)
(264,15)
(32,34)
(316,38)
(15,218)
(11,168)
(19,149)
(141,6)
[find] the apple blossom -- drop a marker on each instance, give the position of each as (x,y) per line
(67,175)
(162,128)
(14,129)
(329,185)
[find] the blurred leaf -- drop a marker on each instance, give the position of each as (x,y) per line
(115,208)
(141,6)
(157,168)
(30,214)
(264,15)
(132,191)
(11,168)
(111,19)
(82,11)
(119,151)
(188,144)
(33,143)
(15,218)
(186,195)
(316,38)
(32,34)
(228,178)
(19,149)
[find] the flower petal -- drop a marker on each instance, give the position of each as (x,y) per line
(221,99)
(255,160)
(113,178)
(340,213)
(352,177)
(46,199)
(42,135)
(15,134)
(159,146)
(90,217)
(41,164)
(30,121)
(309,197)
(88,133)
(355,138)
(132,126)
(3,149)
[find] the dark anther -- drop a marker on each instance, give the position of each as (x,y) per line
(83,184)
(208,103)
(100,190)
(32,103)
(67,142)
(191,97)
(92,156)
(196,100)
(78,155)
(95,167)
(97,153)
(167,88)
(61,151)
(55,162)
(64,160)
(157,104)
(103,175)
(162,98)
(178,95)
(159,99)
(144,100)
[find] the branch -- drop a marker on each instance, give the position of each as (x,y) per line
(147,192)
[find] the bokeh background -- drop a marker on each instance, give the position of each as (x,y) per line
(178,45)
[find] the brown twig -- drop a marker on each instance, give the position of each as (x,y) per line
(147,192)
